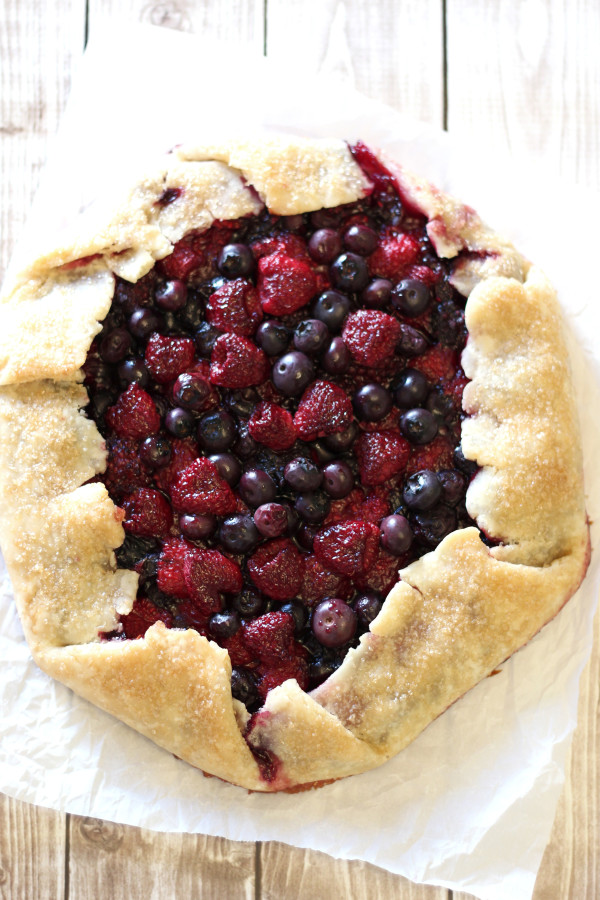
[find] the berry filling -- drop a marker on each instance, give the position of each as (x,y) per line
(281,404)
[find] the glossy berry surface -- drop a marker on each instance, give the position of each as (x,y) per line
(280,400)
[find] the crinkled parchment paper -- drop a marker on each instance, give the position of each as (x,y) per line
(470,804)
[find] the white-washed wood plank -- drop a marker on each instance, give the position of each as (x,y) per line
(32,851)
(391,51)
(125,863)
(306,874)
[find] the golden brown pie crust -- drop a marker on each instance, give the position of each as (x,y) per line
(454,615)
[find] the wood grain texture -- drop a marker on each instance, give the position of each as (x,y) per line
(527,76)
(32,851)
(289,872)
(39,42)
(365,43)
(118,861)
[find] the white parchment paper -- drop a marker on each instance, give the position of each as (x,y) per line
(470,804)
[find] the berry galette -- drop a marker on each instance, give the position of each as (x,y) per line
(235,408)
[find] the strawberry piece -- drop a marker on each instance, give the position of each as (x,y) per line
(272,425)
(235,645)
(207,573)
(134,415)
(371,336)
(319,582)
(455,389)
(436,455)
(167,357)
(270,637)
(147,513)
(383,573)
(424,274)
(124,471)
(347,508)
(289,244)
(237,363)
(183,452)
(234,308)
(437,364)
(325,408)
(192,617)
(295,667)
(374,509)
(394,256)
(348,548)
(170,577)
(200,489)
(180,262)
(276,569)
(381,454)
(284,284)
(142,616)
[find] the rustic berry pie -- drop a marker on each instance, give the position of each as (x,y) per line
(279,374)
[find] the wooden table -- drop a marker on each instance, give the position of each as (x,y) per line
(525,73)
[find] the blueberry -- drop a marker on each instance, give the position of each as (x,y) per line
(411,342)
(272,337)
(179,422)
(245,446)
(377,293)
(228,467)
(302,475)
(142,323)
(312,507)
(197,527)
(372,402)
(243,686)
(432,526)
(439,405)
(338,479)
(238,533)
(341,441)
(321,667)
(396,536)
(454,486)
(422,490)
(133,371)
(257,488)
(115,345)
(223,625)
(292,373)
(411,389)
(248,604)
(324,218)
(155,451)
(324,245)
(100,402)
(331,308)
(411,297)
(271,519)
(349,272)
(468,466)
(235,261)
(333,622)
(367,607)
(191,316)
(298,612)
(321,453)
(216,431)
(191,390)
(206,336)
(306,535)
(241,403)
(360,239)
(172,295)
(294,223)
(311,336)
(337,358)
(419,426)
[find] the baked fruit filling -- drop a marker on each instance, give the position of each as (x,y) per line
(281,404)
